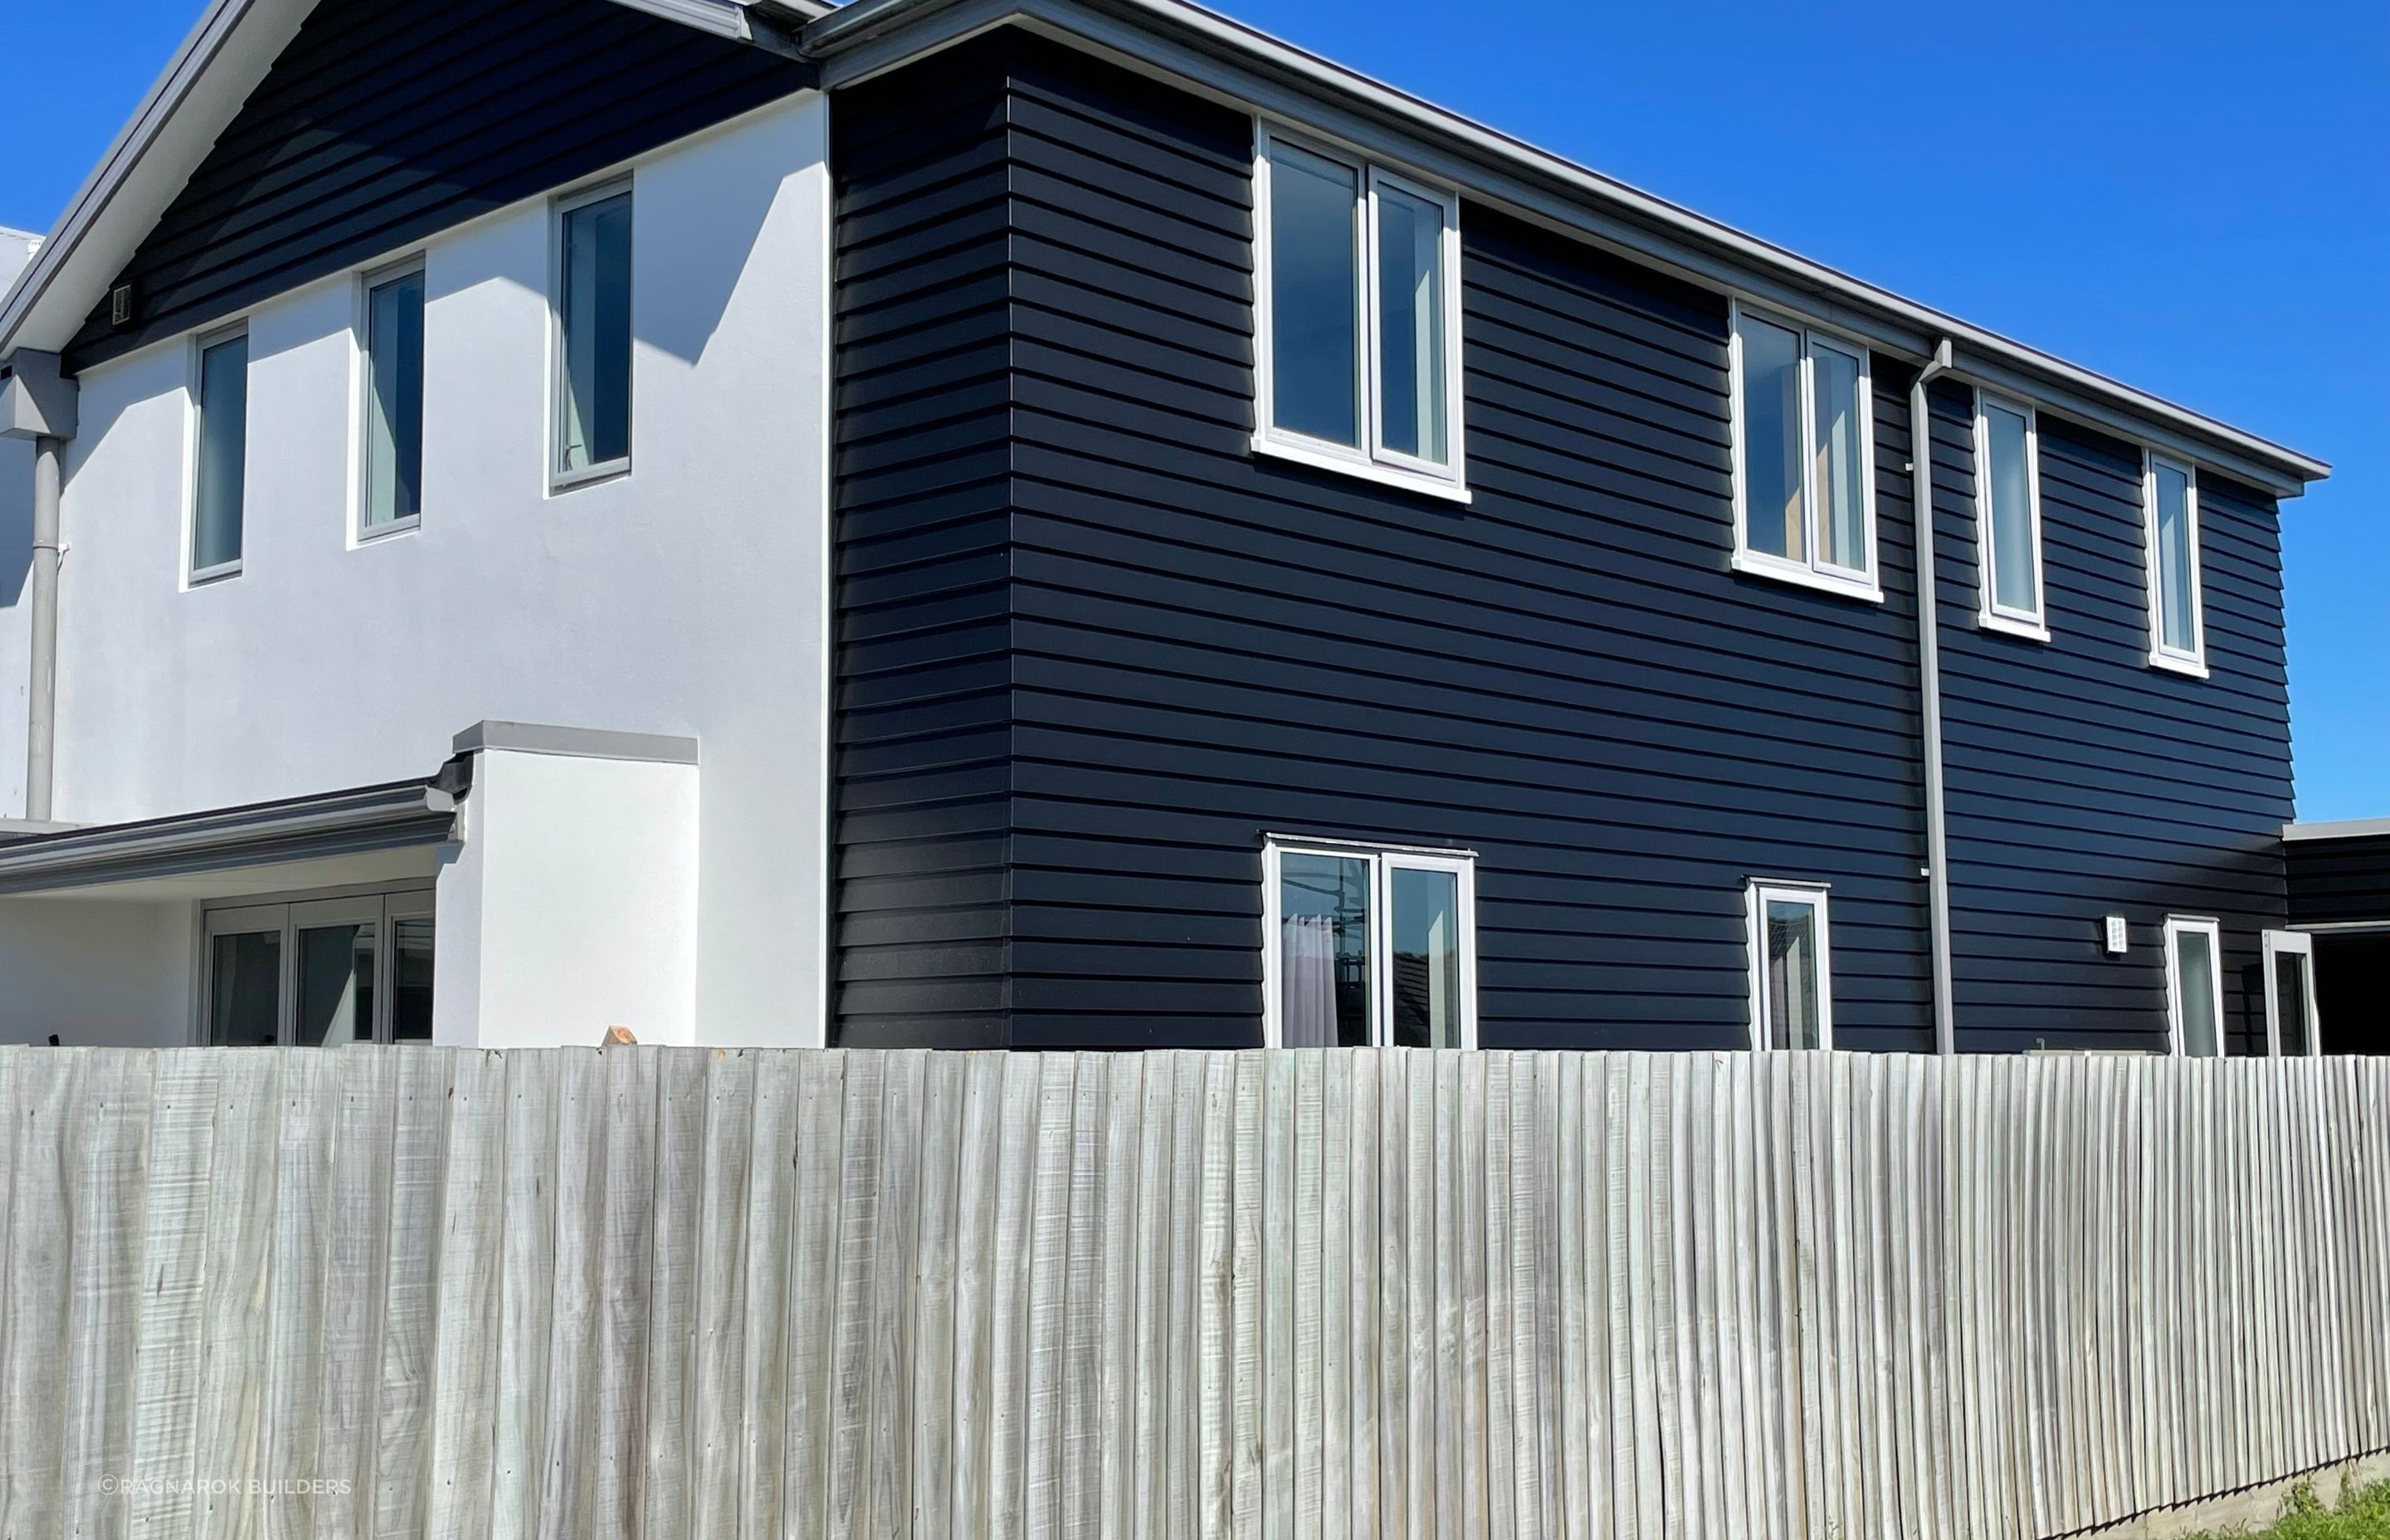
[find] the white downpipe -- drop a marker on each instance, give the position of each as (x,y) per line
(1929,670)
(40,691)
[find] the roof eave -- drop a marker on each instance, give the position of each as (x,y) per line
(1181,37)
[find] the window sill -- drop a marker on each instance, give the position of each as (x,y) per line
(572,480)
(379,532)
(1807,577)
(2190,667)
(1365,470)
(2032,631)
(217,574)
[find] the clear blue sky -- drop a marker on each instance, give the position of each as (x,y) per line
(2194,197)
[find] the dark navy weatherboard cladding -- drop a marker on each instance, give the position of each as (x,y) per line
(386,121)
(1092,648)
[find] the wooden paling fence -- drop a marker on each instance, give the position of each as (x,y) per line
(699,1295)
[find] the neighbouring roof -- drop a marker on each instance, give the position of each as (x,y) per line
(236,40)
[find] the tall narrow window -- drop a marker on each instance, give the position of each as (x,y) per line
(1792,979)
(2292,1028)
(1804,446)
(222,470)
(2008,516)
(2195,987)
(2171,492)
(1369,947)
(1356,312)
(593,307)
(393,403)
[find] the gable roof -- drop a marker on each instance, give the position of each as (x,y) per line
(222,59)
(1250,66)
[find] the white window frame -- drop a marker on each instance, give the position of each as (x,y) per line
(285,916)
(1991,614)
(195,416)
(1385,861)
(1815,572)
(1758,894)
(559,479)
(2192,661)
(360,533)
(2296,944)
(2177,926)
(1373,460)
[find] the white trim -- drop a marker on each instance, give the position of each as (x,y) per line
(1383,861)
(1757,894)
(826,634)
(194,422)
(559,479)
(2296,944)
(2192,661)
(1815,571)
(2177,926)
(361,448)
(1990,612)
(1370,459)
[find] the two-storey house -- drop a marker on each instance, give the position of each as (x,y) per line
(1062,522)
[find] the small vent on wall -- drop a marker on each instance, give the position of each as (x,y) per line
(120,305)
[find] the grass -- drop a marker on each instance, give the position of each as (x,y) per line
(2361,1515)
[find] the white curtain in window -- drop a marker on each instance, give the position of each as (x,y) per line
(1308,950)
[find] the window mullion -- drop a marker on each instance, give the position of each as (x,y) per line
(1812,525)
(1382,952)
(1367,341)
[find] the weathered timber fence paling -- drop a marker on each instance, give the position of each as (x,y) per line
(699,1295)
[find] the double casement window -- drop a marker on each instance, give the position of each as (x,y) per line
(319,973)
(2008,517)
(220,468)
(1358,312)
(1368,947)
(592,429)
(2293,1028)
(393,401)
(2170,503)
(2195,987)
(1804,452)
(1792,976)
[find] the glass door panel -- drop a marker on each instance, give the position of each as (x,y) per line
(410,968)
(245,993)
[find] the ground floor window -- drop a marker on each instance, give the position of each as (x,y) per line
(2292,1027)
(1792,977)
(2195,987)
(318,973)
(1368,946)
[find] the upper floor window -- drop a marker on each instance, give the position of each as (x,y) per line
(2195,987)
(394,428)
(220,470)
(1368,947)
(1358,316)
(2170,500)
(1791,978)
(1804,449)
(2008,516)
(593,344)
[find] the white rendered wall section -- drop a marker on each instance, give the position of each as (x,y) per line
(95,972)
(571,905)
(684,598)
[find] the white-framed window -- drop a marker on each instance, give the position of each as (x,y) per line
(317,973)
(219,453)
(391,415)
(2170,507)
(2008,517)
(592,302)
(2194,952)
(2293,1027)
(1368,945)
(1358,315)
(1803,406)
(1791,969)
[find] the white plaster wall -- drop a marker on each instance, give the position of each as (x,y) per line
(571,905)
(98,974)
(684,598)
(16,582)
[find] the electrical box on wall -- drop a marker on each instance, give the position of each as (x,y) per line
(2114,928)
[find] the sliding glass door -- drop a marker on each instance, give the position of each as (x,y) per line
(321,973)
